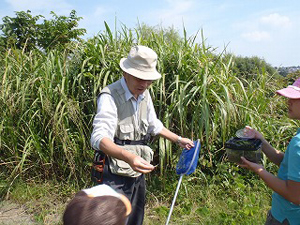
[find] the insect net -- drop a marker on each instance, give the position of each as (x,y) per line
(186,165)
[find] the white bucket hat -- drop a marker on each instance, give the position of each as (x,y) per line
(141,63)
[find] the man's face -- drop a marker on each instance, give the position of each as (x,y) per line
(294,108)
(135,85)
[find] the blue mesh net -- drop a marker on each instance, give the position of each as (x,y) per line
(188,159)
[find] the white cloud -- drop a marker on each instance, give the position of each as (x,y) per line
(180,6)
(176,12)
(100,11)
(256,36)
(265,28)
(276,20)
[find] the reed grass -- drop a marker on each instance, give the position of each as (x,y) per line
(48,101)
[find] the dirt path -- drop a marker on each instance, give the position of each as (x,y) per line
(12,213)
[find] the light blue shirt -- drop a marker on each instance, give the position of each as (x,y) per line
(289,170)
(106,118)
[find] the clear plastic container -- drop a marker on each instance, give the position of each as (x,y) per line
(249,148)
(245,133)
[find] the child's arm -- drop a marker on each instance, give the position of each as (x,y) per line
(273,155)
(288,189)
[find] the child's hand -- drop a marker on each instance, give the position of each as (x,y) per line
(252,132)
(256,168)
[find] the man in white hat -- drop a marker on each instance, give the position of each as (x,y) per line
(124,122)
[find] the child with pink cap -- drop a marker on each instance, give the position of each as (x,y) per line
(286,185)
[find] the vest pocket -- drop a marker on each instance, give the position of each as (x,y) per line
(126,132)
(144,127)
(122,168)
(146,153)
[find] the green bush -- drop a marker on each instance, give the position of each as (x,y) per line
(48,101)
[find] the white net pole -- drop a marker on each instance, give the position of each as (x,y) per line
(174,199)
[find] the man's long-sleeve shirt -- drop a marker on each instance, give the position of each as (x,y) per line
(106,118)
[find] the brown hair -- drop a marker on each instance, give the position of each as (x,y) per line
(86,210)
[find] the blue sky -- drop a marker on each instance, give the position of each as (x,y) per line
(269,29)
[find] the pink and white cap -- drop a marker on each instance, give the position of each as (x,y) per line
(292,91)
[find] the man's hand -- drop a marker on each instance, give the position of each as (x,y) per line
(186,143)
(140,165)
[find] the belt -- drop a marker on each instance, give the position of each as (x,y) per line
(129,142)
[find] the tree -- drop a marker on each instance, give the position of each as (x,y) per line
(249,67)
(24,31)
(170,34)
(20,31)
(59,31)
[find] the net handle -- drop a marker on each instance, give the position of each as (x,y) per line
(174,199)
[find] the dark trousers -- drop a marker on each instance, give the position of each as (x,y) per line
(133,188)
(272,221)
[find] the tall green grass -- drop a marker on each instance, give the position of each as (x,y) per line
(43,132)
(224,198)
(48,101)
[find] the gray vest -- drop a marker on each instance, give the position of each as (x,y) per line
(129,128)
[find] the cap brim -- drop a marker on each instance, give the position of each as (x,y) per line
(127,204)
(289,93)
(144,75)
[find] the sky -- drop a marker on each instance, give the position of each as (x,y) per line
(268,29)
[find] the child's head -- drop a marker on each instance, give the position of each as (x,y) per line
(292,92)
(98,205)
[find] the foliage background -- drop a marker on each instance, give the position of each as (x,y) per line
(48,99)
